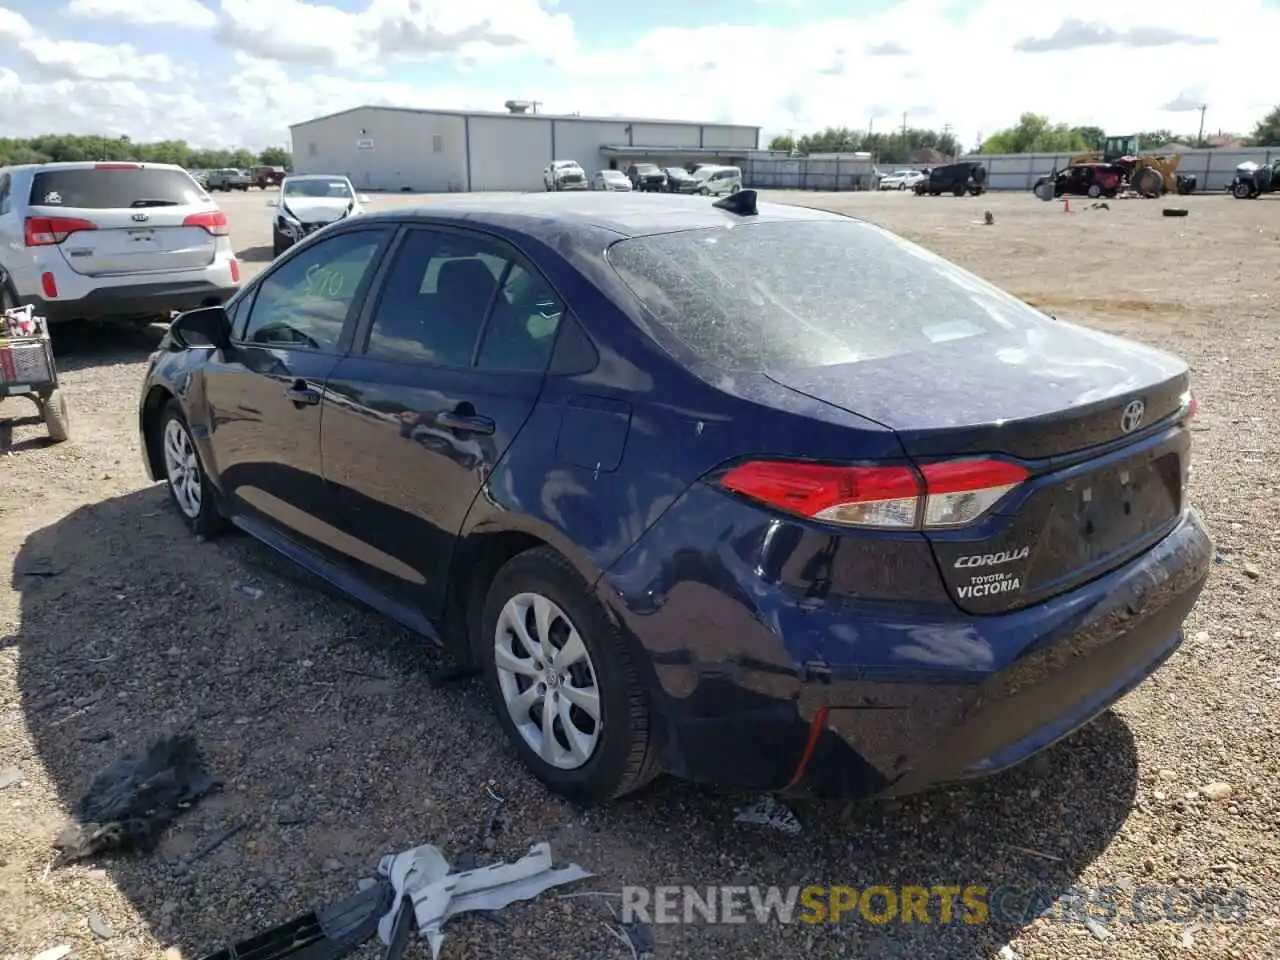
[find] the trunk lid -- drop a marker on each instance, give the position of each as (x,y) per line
(1099,423)
(137,216)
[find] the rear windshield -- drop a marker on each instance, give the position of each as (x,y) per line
(113,189)
(753,297)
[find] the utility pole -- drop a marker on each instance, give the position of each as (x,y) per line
(1200,135)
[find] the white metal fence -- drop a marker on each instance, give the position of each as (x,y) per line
(809,173)
(1213,169)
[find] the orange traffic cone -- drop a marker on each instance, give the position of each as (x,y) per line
(1066,204)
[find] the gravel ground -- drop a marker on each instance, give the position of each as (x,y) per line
(116,626)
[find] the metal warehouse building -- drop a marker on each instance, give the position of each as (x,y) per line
(437,151)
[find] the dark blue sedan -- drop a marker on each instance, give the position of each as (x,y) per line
(751,494)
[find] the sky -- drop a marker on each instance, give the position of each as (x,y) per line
(238,72)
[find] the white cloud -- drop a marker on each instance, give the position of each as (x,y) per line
(75,60)
(170,13)
(293,60)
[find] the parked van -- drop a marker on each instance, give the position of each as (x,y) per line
(719,180)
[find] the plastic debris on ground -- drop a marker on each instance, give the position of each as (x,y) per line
(424,883)
(768,812)
(128,804)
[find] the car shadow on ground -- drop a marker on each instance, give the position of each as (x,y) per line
(258,254)
(332,750)
(77,346)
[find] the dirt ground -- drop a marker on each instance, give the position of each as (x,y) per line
(116,626)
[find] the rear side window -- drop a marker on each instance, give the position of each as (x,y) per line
(108,189)
(761,296)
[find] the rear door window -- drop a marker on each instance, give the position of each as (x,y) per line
(114,188)
(781,295)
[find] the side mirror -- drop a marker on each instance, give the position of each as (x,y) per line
(273,202)
(363,198)
(203,327)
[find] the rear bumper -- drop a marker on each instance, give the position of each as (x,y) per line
(129,302)
(894,699)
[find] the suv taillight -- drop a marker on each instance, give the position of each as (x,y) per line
(50,231)
(939,495)
(214,221)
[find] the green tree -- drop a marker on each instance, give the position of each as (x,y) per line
(275,157)
(890,147)
(1034,133)
(1092,136)
(55,147)
(1267,132)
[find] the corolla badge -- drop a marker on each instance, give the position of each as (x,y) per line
(1132,416)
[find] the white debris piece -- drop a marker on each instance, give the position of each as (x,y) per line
(424,875)
(53,953)
(768,812)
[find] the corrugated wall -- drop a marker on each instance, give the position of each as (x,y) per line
(389,150)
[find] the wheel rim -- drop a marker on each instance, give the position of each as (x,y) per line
(548,681)
(182,468)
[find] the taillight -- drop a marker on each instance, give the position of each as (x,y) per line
(49,231)
(215,221)
(235,271)
(49,284)
(1189,405)
(960,491)
(948,494)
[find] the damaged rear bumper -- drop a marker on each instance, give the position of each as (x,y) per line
(925,700)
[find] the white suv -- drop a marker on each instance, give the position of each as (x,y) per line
(564,175)
(111,241)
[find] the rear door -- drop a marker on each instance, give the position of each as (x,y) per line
(264,394)
(440,380)
(124,218)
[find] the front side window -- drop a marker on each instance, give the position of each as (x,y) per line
(305,302)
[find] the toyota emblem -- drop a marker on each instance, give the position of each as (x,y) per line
(1131,419)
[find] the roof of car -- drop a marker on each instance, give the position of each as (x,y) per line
(619,214)
(315,176)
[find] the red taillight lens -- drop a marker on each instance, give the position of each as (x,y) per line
(948,494)
(235,271)
(49,284)
(214,221)
(49,231)
(855,496)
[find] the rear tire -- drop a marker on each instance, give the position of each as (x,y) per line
(190,488)
(616,755)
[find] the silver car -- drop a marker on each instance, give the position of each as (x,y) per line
(610,180)
(111,241)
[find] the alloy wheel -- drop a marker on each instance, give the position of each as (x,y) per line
(547,680)
(182,468)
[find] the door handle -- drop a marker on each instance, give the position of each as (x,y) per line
(464,423)
(300,393)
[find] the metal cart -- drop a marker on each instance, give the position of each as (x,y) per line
(27,368)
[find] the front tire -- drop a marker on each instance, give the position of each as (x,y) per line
(189,486)
(1241,191)
(562,681)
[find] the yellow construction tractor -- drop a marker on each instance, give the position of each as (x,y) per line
(1149,174)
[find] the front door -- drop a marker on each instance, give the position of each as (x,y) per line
(264,394)
(434,390)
